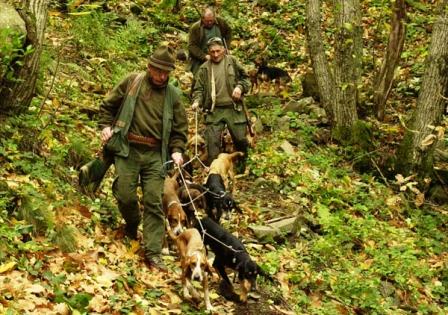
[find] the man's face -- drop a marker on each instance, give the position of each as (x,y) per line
(216,53)
(158,76)
(208,20)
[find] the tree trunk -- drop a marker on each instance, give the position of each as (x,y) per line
(347,70)
(16,95)
(384,80)
(416,151)
(338,90)
(324,77)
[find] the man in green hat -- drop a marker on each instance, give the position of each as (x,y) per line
(144,125)
(218,91)
(200,32)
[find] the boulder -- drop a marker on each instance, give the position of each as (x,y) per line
(12,35)
(282,123)
(10,19)
(309,86)
(274,230)
(301,106)
(288,148)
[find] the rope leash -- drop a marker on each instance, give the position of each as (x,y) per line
(203,231)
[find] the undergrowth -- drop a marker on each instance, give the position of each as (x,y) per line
(363,247)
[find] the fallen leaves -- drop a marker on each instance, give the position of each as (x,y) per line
(7,266)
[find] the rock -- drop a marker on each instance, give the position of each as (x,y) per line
(285,226)
(271,231)
(288,148)
(260,181)
(282,123)
(317,112)
(310,87)
(322,136)
(13,30)
(301,106)
(9,18)
(258,126)
(264,233)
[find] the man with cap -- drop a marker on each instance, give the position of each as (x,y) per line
(201,31)
(218,91)
(144,125)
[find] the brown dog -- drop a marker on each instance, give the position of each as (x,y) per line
(177,219)
(223,166)
(194,263)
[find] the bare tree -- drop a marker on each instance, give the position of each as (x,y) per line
(16,95)
(384,80)
(416,150)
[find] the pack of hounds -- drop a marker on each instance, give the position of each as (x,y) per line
(193,213)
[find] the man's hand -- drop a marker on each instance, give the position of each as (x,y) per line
(195,105)
(106,133)
(177,158)
(207,57)
(236,95)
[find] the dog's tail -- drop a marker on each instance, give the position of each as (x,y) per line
(236,154)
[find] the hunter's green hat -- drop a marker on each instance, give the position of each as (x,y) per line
(163,58)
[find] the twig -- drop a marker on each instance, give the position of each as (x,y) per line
(52,82)
(378,169)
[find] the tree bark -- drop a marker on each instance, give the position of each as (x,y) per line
(16,95)
(347,70)
(324,77)
(416,151)
(385,78)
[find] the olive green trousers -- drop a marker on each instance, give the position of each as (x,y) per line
(142,167)
(215,123)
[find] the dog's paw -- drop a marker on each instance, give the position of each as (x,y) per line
(226,290)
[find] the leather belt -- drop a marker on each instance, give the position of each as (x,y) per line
(149,141)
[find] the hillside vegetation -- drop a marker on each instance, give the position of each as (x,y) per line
(364,241)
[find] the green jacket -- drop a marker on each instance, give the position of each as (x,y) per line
(196,36)
(235,76)
(170,128)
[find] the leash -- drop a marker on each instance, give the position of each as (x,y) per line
(203,230)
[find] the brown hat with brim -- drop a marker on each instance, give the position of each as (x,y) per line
(163,58)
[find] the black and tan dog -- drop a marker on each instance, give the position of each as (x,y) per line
(230,253)
(269,74)
(221,173)
(218,199)
(194,263)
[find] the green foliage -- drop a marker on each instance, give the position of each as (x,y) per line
(64,237)
(12,51)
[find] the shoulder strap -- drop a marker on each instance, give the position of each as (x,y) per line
(132,89)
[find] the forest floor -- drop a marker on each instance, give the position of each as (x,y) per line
(366,243)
